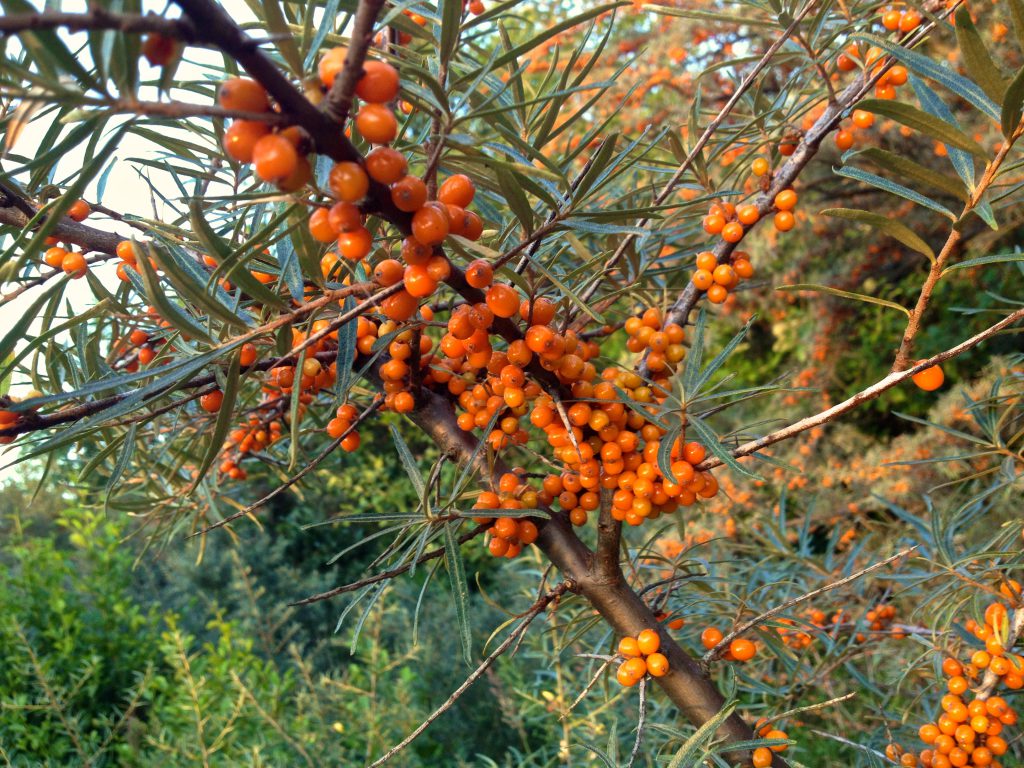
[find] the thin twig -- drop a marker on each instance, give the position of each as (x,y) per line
(327,451)
(530,615)
(386,575)
(746,626)
(640,722)
(339,100)
(870,393)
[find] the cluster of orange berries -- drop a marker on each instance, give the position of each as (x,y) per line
(342,422)
(762,756)
(718,279)
(641,658)
(508,535)
(856,56)
(71,262)
(277,156)
(740,649)
(906,21)
(970,733)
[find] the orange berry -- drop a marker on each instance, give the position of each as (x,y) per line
(409,193)
(386,165)
(785,200)
(844,140)
(79,210)
(376,123)
(240,139)
(503,300)
(211,401)
(711,637)
(344,217)
(457,190)
(418,282)
(732,232)
(430,224)
(629,647)
(742,649)
(74,265)
(320,226)
(479,273)
(243,95)
(759,167)
(379,83)
(356,245)
(863,118)
(702,279)
(55,256)
(349,182)
(761,757)
(331,63)
(784,221)
(929,379)
(388,272)
(657,665)
(274,158)
(247,356)
(747,214)
(648,642)
(717,293)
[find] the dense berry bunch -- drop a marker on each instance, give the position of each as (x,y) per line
(641,658)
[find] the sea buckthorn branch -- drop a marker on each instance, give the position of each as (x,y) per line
(372,408)
(66,229)
(705,137)
(527,618)
(376,578)
(991,679)
(805,151)
(935,272)
(869,393)
(222,31)
(338,102)
(686,684)
(168,109)
(609,540)
(716,651)
(100,18)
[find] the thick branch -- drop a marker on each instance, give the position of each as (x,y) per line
(339,101)
(99,18)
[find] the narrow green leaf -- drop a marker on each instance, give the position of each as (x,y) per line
(1012,104)
(19,330)
(326,25)
(168,310)
(512,190)
(408,462)
(919,120)
(998,258)
(891,227)
(721,357)
(895,189)
(844,295)
(693,751)
(710,440)
(911,171)
(457,575)
(665,453)
(962,162)
(283,38)
(976,57)
(451,20)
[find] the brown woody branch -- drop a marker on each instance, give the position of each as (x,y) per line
(338,103)
(99,18)
(870,393)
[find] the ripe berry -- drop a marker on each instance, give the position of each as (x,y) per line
(377,124)
(759,167)
(74,265)
(418,282)
(732,232)
(742,649)
(409,194)
(430,224)
(274,158)
(388,272)
(457,190)
(240,138)
(648,641)
(629,647)
(211,401)
(761,758)
(55,256)
(711,637)
(379,83)
(844,140)
(243,95)
(863,119)
(386,165)
(785,200)
(657,665)
(344,217)
(349,182)
(930,378)
(503,300)
(784,221)
(79,210)
(479,273)
(320,226)
(355,245)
